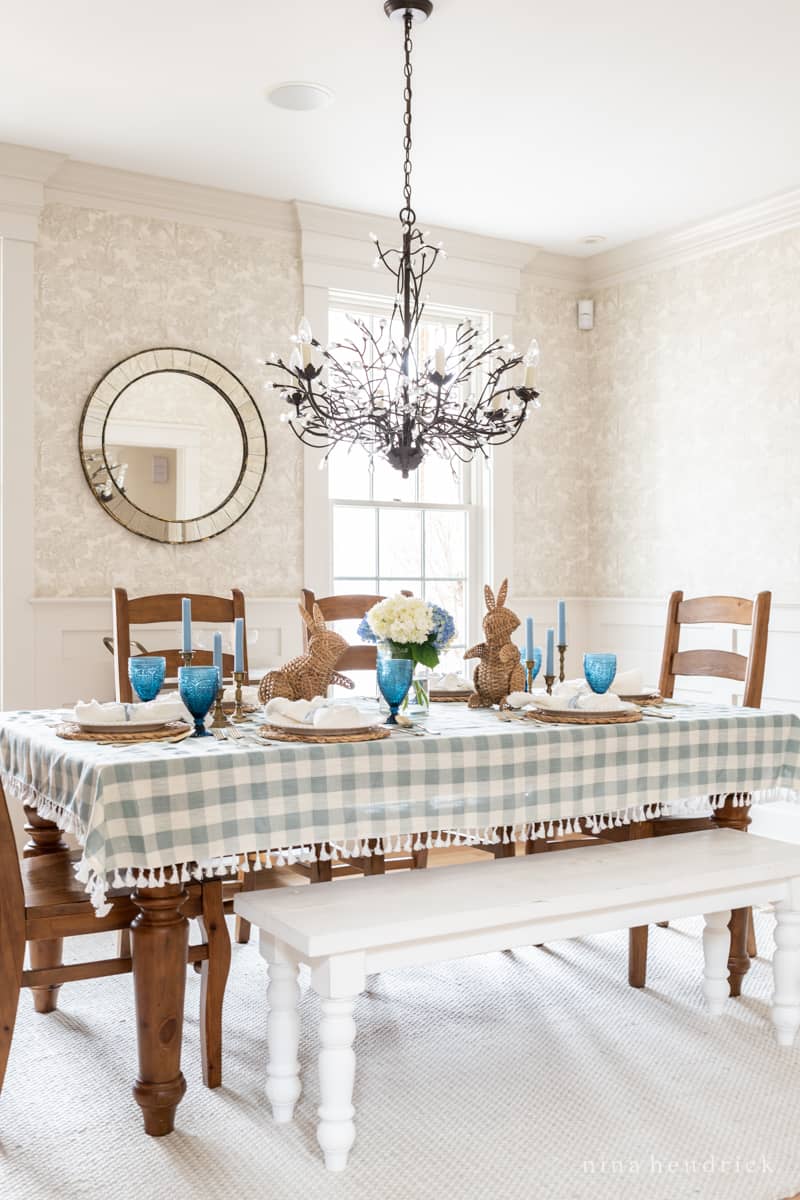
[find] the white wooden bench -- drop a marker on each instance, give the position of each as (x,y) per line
(350,929)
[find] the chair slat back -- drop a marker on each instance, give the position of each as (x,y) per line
(151,610)
(722,664)
(352,607)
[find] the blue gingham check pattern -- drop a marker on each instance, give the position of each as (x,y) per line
(150,806)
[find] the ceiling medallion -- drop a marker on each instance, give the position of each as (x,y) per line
(372,390)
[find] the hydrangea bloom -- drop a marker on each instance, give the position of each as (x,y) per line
(444,627)
(423,629)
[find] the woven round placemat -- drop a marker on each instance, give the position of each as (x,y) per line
(648,698)
(74,733)
(279,733)
(229,706)
(575,716)
(450,697)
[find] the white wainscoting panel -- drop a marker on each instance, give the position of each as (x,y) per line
(71,662)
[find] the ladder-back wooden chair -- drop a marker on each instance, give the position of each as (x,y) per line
(41,903)
(158,610)
(720,664)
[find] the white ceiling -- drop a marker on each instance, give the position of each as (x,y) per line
(539,122)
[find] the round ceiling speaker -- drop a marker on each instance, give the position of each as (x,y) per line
(300,97)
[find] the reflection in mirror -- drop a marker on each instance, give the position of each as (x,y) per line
(174,445)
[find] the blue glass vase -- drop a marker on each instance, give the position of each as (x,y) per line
(198,687)
(599,670)
(147,674)
(395,672)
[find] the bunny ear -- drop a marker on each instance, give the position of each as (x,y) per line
(319,620)
(503,592)
(489,597)
(306,615)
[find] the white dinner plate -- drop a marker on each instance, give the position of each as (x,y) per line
(127,726)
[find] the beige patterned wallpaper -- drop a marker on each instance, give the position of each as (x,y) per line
(695,427)
(552,499)
(109,285)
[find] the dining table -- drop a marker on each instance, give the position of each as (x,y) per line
(153,815)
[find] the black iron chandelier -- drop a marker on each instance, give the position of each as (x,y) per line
(373,391)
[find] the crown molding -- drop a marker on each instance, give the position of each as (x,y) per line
(479,272)
(717,234)
(23,172)
(88,185)
(563,271)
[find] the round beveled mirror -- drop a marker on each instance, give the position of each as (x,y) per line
(172,445)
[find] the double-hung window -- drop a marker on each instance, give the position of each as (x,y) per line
(426,533)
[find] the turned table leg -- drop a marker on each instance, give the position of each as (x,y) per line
(45,838)
(728,817)
(716,941)
(283,1037)
(160,935)
(786,972)
(336,1131)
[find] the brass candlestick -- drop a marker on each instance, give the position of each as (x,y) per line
(549,681)
(529,665)
(562,650)
(220,721)
(186,657)
(238,679)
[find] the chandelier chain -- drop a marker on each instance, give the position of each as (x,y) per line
(407,215)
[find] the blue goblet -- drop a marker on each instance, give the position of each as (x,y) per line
(599,670)
(198,687)
(147,674)
(394,678)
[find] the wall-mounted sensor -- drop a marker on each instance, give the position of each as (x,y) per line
(586,314)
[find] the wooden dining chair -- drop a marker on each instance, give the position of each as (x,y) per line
(41,903)
(158,610)
(719,664)
(358,657)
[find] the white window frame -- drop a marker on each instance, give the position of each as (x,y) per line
(480,274)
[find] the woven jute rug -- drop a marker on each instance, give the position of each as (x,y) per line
(537,1075)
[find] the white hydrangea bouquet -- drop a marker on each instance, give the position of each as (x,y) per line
(414,628)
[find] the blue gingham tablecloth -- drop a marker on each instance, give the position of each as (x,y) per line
(201,804)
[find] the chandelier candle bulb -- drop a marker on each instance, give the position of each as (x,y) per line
(440,360)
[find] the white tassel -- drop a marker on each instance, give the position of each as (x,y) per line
(324,854)
(280,860)
(244,864)
(268,861)
(380,849)
(116,881)
(550,830)
(130,878)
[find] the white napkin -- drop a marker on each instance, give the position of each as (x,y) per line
(450,683)
(628,683)
(168,707)
(299,711)
(341,716)
(608,702)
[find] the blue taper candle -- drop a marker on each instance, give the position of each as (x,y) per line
(218,655)
(562,623)
(550,668)
(186,611)
(238,644)
(529,639)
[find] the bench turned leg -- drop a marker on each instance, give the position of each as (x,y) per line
(283,1036)
(786,973)
(716,941)
(337,1065)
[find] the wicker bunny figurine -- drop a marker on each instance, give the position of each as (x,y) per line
(311,673)
(500,670)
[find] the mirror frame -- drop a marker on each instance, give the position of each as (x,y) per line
(91,440)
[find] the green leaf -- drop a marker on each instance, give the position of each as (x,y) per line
(426,654)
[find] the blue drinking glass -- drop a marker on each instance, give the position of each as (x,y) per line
(599,670)
(147,674)
(394,678)
(198,687)
(537,661)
